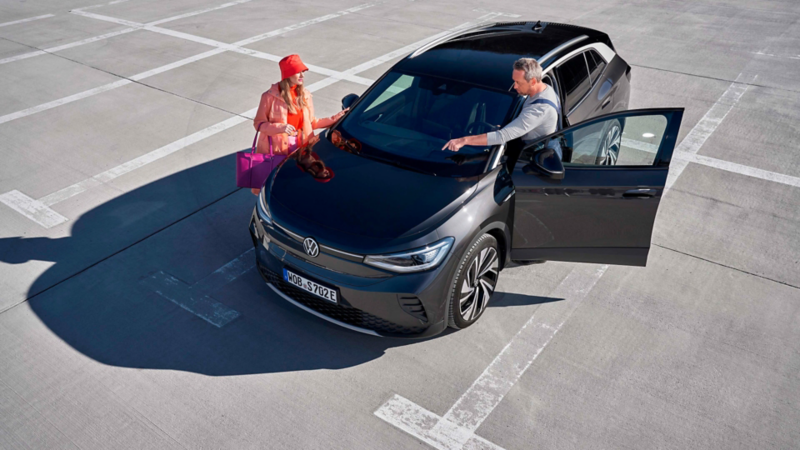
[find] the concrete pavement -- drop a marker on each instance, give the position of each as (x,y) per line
(697,350)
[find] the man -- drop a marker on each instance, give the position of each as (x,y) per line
(540,115)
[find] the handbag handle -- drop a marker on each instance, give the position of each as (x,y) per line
(255,139)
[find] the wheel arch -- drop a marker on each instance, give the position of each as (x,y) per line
(502,235)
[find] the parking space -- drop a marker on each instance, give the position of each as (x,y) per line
(133,53)
(121,227)
(54,31)
(44,79)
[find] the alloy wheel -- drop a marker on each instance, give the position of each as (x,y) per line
(611,144)
(479,284)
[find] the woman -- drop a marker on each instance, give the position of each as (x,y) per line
(286,113)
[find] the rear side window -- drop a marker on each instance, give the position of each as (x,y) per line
(596,65)
(575,80)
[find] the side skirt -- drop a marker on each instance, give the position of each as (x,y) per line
(624,256)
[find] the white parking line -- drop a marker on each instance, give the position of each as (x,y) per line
(147,158)
(457,428)
(32,209)
(29,19)
(226,46)
(197,298)
(101,37)
(741,169)
(99,179)
(62,101)
(707,125)
(158,70)
(115,2)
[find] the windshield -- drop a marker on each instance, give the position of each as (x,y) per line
(407,119)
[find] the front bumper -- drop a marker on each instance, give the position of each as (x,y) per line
(370,301)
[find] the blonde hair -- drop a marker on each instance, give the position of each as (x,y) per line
(287,96)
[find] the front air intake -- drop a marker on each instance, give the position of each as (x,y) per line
(413,306)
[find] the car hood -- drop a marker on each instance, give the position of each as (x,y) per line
(362,198)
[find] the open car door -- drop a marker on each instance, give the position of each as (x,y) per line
(598,202)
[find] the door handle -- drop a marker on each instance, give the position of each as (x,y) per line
(639,193)
(606,103)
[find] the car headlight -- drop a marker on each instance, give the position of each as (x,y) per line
(413,260)
(263,209)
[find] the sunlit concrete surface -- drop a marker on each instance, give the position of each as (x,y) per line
(131,316)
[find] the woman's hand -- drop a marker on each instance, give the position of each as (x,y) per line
(289,129)
(335,118)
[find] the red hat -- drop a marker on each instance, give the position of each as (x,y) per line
(291,65)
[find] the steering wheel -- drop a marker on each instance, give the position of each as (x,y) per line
(483,126)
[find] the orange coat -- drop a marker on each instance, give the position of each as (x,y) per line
(273,111)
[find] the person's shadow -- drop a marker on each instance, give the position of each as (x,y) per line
(93,299)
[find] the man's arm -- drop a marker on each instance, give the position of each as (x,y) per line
(455,144)
(527,120)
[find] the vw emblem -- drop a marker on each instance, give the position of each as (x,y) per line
(311,247)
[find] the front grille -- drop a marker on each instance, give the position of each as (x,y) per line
(342,313)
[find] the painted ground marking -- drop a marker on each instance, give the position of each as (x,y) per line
(456,430)
(138,77)
(29,19)
(197,298)
(70,191)
(101,37)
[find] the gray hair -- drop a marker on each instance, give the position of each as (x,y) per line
(531,67)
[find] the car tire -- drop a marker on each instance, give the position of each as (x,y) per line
(474,282)
(610,143)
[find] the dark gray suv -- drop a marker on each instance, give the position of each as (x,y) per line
(372,226)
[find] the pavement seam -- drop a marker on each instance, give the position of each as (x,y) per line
(144,238)
(728,267)
(715,78)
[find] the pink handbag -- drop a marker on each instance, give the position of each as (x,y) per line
(252,168)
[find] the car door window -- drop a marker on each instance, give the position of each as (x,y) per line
(617,141)
(574,80)
(596,65)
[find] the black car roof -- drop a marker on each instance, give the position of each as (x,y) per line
(485,55)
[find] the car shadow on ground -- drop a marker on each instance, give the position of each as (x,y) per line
(107,314)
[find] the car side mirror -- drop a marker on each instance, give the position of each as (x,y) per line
(348,100)
(546,162)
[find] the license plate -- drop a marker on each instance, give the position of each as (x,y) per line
(305,284)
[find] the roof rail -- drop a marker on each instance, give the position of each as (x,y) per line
(561,47)
(449,36)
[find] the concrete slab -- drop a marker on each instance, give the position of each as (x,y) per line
(150,10)
(45,78)
(349,32)
(89,237)
(684,344)
(279,346)
(762,132)
(777,71)
(328,101)
(8,49)
(229,81)
(135,52)
(696,350)
(733,220)
(704,59)
(249,19)
(92,136)
(62,29)
(658,89)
